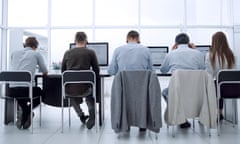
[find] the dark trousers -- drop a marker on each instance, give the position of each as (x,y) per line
(22,94)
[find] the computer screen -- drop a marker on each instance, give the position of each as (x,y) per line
(101,50)
(158,54)
(203,48)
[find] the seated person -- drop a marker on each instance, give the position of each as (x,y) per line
(182,56)
(81,58)
(26,59)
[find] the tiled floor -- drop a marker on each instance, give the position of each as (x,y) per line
(50,131)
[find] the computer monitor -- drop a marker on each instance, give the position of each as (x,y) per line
(158,54)
(101,50)
(203,48)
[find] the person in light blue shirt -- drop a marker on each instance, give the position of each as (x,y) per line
(131,56)
(183,56)
(26,59)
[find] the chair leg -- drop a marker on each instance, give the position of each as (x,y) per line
(15,106)
(31,114)
(69,112)
(62,114)
(40,112)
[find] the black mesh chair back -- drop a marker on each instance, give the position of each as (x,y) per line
(228,83)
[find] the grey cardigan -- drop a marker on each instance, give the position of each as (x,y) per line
(136,101)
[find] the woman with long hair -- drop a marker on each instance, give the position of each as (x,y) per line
(219,57)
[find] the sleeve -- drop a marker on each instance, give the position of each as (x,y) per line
(94,64)
(64,62)
(165,65)
(113,67)
(41,63)
(155,102)
(116,103)
(149,60)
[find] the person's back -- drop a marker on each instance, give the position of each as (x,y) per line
(183,57)
(27,59)
(132,56)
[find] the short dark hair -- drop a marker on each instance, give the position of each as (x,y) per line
(182,38)
(31,42)
(80,37)
(133,34)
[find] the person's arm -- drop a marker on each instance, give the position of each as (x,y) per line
(150,64)
(41,64)
(95,65)
(113,67)
(64,61)
(165,65)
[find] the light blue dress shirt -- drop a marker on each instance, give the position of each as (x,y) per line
(27,59)
(132,56)
(183,58)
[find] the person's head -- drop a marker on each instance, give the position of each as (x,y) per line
(133,36)
(81,38)
(182,38)
(221,49)
(31,42)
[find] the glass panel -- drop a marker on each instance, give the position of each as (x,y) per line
(227,13)
(162,12)
(204,36)
(1,13)
(159,37)
(204,12)
(72,12)
(60,42)
(27,12)
(116,12)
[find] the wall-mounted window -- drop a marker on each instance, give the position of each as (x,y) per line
(27,12)
(116,12)
(162,12)
(72,12)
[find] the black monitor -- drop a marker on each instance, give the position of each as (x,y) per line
(158,54)
(101,50)
(203,48)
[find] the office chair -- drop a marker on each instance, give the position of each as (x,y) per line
(78,77)
(191,95)
(228,85)
(21,78)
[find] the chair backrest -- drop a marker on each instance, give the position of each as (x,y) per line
(228,83)
(15,76)
(76,76)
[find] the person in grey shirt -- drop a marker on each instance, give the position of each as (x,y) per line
(26,59)
(183,56)
(131,56)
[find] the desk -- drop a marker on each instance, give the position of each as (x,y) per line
(52,88)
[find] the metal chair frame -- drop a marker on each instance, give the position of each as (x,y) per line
(23,78)
(78,77)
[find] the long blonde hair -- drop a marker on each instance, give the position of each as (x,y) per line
(220,48)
